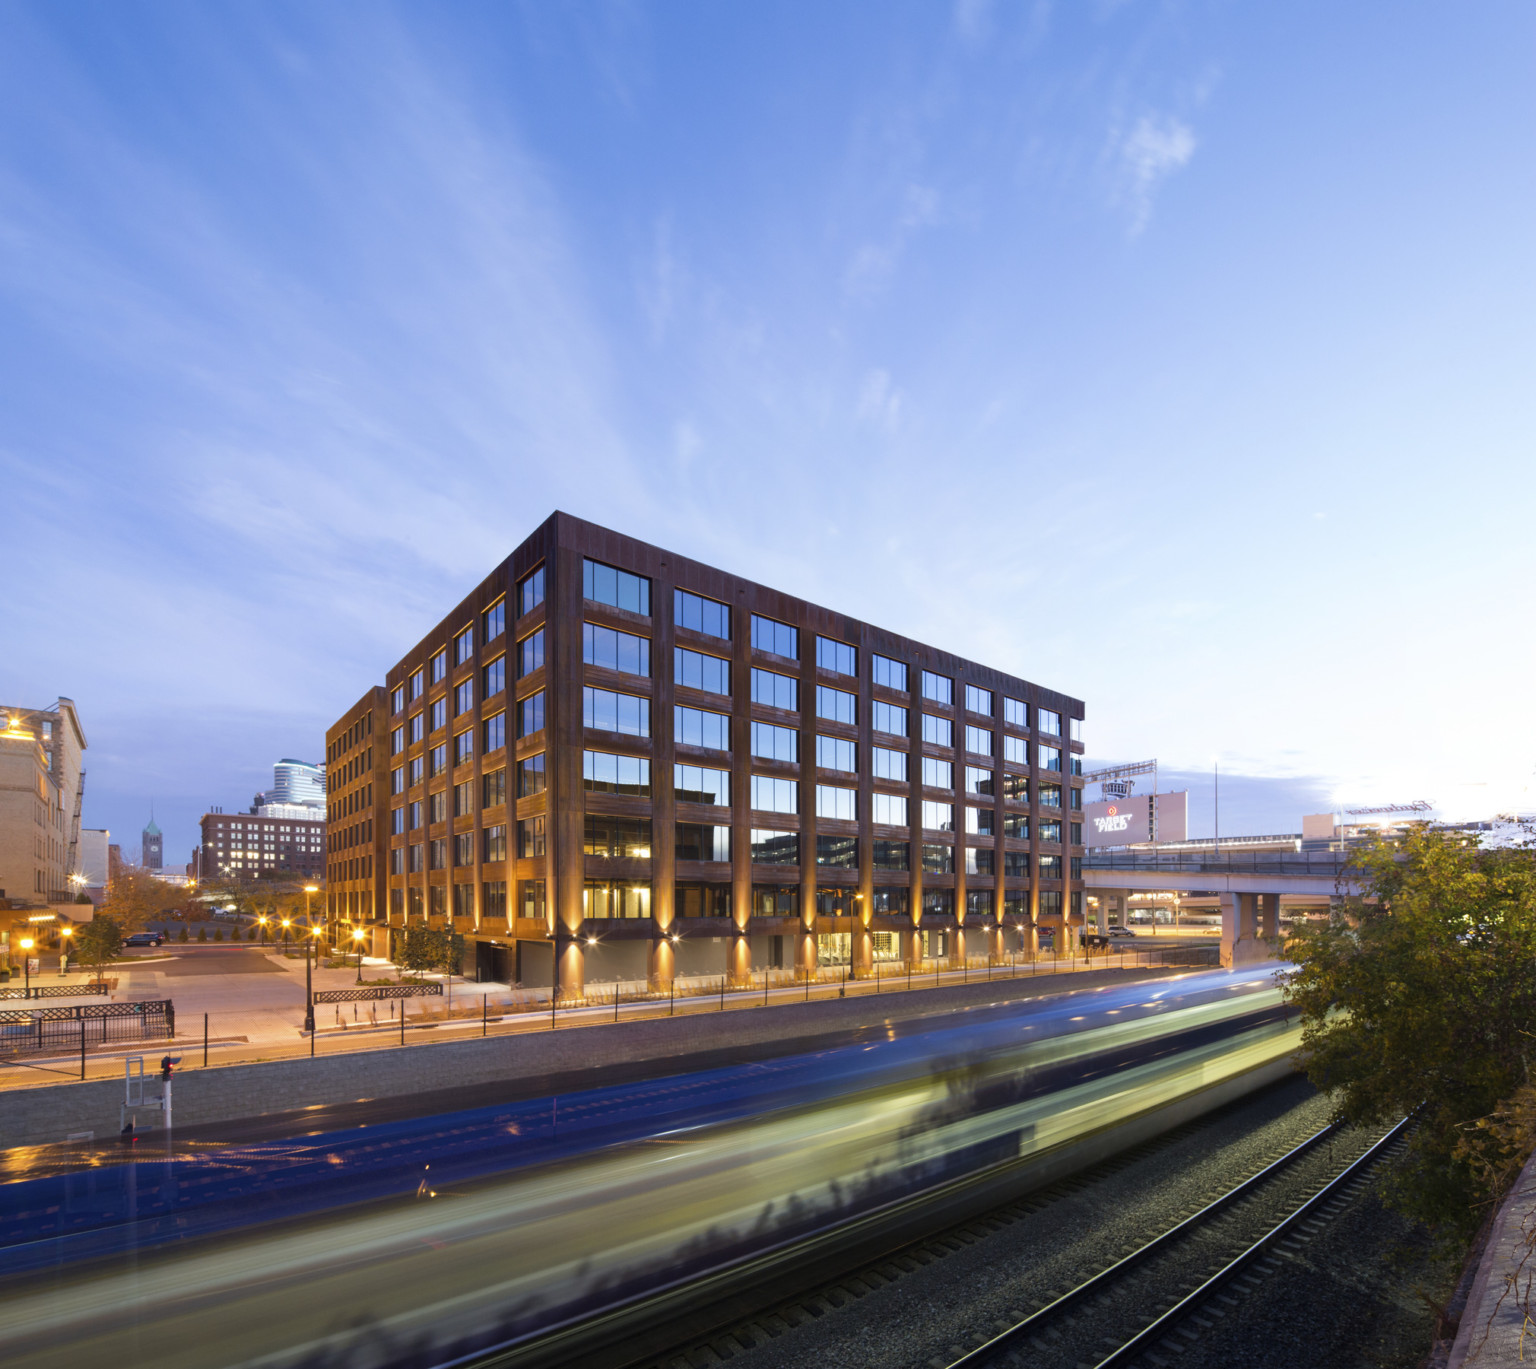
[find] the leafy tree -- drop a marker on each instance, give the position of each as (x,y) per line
(99,941)
(1422,994)
(428,948)
(135,897)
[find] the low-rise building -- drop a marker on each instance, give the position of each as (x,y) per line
(40,791)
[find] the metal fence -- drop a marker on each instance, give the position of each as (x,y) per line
(94,986)
(41,1029)
(375,993)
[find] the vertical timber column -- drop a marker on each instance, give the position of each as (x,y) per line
(1032,755)
(862,958)
(961,836)
(660,959)
(741,767)
(564,615)
(805,950)
(912,940)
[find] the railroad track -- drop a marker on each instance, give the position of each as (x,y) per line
(1189,1289)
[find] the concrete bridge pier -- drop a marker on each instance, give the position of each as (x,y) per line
(1240,943)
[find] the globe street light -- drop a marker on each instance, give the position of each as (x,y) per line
(357,936)
(26,944)
(309,989)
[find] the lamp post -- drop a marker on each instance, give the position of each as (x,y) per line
(26,944)
(309,990)
(262,923)
(357,937)
(308,919)
(287,923)
(65,933)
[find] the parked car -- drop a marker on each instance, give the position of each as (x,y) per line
(145,939)
(1121,931)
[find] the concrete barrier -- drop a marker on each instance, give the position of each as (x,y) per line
(52,1113)
(1495,1329)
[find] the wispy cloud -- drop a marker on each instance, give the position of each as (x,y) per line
(879,401)
(875,262)
(1153,150)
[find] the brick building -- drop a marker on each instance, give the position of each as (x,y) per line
(614,760)
(249,846)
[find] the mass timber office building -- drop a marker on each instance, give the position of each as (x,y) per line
(611,762)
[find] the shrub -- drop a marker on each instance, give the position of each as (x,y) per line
(202,934)
(218,934)
(182,934)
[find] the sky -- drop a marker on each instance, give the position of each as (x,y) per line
(1176,356)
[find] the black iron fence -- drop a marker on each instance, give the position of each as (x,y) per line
(55,990)
(41,1029)
(374,993)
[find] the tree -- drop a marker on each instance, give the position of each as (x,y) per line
(1421,994)
(99,941)
(135,898)
(428,948)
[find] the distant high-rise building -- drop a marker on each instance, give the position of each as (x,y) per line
(152,851)
(298,782)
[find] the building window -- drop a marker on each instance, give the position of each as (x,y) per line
(464,799)
(496,842)
(1016,825)
(493,622)
(1077,765)
(616,838)
(775,690)
(695,670)
(418,726)
(416,768)
(530,654)
(397,862)
(1077,800)
(610,585)
(939,688)
(775,743)
(532,891)
(493,678)
(606,773)
(493,898)
(397,780)
(397,699)
(938,817)
(890,718)
(530,591)
(979,781)
(397,741)
(698,842)
(833,802)
(779,639)
(889,810)
(438,665)
(773,795)
(439,712)
(978,861)
(938,731)
(938,860)
(978,700)
(437,759)
(493,788)
(437,854)
(775,848)
(978,902)
(463,697)
(888,673)
(464,645)
(413,861)
(614,650)
(978,741)
(1075,725)
(836,704)
(1050,758)
(1015,864)
(464,848)
(494,730)
(1015,712)
(702,900)
(1050,830)
(885,764)
(837,753)
(1015,750)
(1049,723)
(397,821)
(1077,834)
(694,784)
(415,685)
(1050,867)
(775,900)
(980,821)
(530,776)
(841,853)
(530,714)
(463,747)
(1016,788)
(607,711)
(613,899)
(1050,796)
(938,774)
(698,614)
(838,657)
(531,837)
(696,727)
(437,807)
(891,855)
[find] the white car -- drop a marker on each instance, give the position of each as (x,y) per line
(1121,931)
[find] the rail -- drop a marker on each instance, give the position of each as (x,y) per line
(40,991)
(27,1031)
(1330,863)
(377,993)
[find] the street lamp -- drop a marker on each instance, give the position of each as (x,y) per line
(262,922)
(357,936)
(308,890)
(26,944)
(65,932)
(287,923)
(309,988)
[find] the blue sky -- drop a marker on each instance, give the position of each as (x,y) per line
(1174,355)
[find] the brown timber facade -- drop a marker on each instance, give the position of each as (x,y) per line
(611,762)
